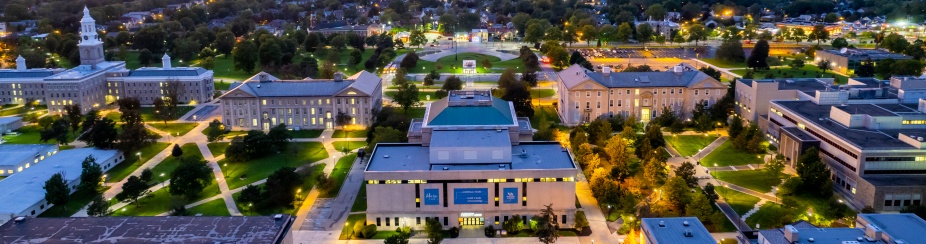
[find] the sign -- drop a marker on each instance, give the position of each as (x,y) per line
(471,196)
(510,195)
(431,196)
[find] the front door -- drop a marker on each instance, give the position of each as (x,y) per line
(645,114)
(472,221)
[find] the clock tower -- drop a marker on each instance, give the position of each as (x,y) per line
(90,46)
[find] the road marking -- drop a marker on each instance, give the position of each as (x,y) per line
(734,168)
(750,167)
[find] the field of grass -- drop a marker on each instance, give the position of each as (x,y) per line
(768,216)
(211,208)
(152,204)
(338,174)
(217,148)
(305,133)
(162,171)
(309,182)
(758,180)
(453,65)
(548,112)
(808,71)
(132,162)
(234,133)
(422,95)
(32,135)
(542,93)
(149,113)
(413,113)
(688,145)
(239,174)
(726,155)
(723,64)
(349,225)
(350,133)
(20,111)
(77,201)
(173,129)
(360,203)
(740,202)
(348,145)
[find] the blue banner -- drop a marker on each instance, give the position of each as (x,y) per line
(471,196)
(431,196)
(510,195)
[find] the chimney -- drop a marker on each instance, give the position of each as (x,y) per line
(791,233)
(165,61)
(678,69)
(264,77)
(606,71)
(20,63)
(338,76)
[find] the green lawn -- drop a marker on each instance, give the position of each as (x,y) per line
(32,135)
(360,203)
(723,64)
(173,129)
(222,85)
(77,201)
(768,216)
(339,173)
(451,64)
(808,71)
(542,93)
(740,202)
(349,225)
(163,170)
(305,133)
(413,113)
(239,174)
(211,208)
(548,112)
(348,145)
(726,155)
(350,133)
(152,204)
(688,145)
(234,133)
(308,183)
(115,116)
(148,113)
(132,162)
(20,111)
(217,148)
(422,95)
(225,71)
(758,180)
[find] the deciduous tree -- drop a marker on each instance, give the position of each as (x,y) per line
(190,178)
(91,175)
(56,190)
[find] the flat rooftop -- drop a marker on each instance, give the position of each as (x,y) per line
(21,190)
(799,134)
(672,230)
(819,235)
(10,119)
(867,53)
(869,109)
(905,226)
(805,85)
(14,154)
(414,157)
(166,229)
(82,71)
(860,137)
(175,71)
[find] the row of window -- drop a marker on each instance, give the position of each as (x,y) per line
(394,221)
(546,179)
(914,122)
(894,159)
(902,200)
(637,92)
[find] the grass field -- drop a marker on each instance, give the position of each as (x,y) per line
(305,133)
(453,65)
(162,171)
(808,71)
(723,64)
(32,135)
(338,174)
(211,208)
(360,203)
(132,162)
(149,113)
(217,148)
(542,93)
(350,133)
(726,155)
(309,182)
(548,112)
(239,174)
(412,113)
(77,201)
(758,180)
(150,205)
(348,145)
(422,95)
(688,145)
(234,133)
(768,216)
(174,129)
(740,202)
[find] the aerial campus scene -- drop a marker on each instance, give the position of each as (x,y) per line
(463,121)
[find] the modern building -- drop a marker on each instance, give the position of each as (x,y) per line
(872,141)
(161,229)
(23,193)
(15,158)
(585,95)
(469,162)
(8,124)
(97,82)
(753,96)
(674,230)
(264,101)
(847,60)
(869,228)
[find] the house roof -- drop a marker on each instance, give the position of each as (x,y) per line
(33,73)
(441,114)
(575,75)
(363,81)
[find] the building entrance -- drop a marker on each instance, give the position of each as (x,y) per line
(471,219)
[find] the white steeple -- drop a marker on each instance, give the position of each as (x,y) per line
(88,28)
(165,61)
(20,63)
(91,48)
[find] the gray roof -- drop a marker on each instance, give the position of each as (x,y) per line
(8,119)
(414,157)
(819,235)
(860,137)
(805,85)
(21,190)
(9,74)
(14,154)
(166,229)
(905,226)
(363,81)
(82,71)
(673,230)
(181,71)
(576,74)
(470,138)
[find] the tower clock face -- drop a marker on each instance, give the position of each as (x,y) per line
(85,38)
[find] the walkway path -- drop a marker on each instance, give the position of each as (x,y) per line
(226,194)
(326,140)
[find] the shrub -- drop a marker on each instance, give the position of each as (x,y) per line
(454,232)
(404,231)
(369,231)
(490,231)
(514,225)
(358,229)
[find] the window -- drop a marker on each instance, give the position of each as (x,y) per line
(396,221)
(707,92)
(598,104)
(588,94)
(588,105)
(696,92)
(599,94)
(680,90)
(446,222)
(618,103)
(378,223)
(564,218)
(628,91)
(611,92)
(387,221)
(417,220)
(611,103)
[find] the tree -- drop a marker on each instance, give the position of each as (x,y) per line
(757,60)
(190,177)
(507,79)
(245,55)
(655,11)
(697,32)
(145,57)
(98,207)
(435,230)
(839,42)
(281,186)
(56,190)
(676,193)
(776,165)
(176,151)
(687,173)
(225,43)
(406,96)
(452,83)
(73,113)
(355,58)
(644,33)
(207,63)
(710,193)
(824,65)
(132,189)
(865,69)
(134,134)
(396,239)
(215,130)
(796,63)
(90,175)
(624,31)
(797,35)
(58,130)
(713,73)
(814,174)
(514,224)
(735,128)
(409,61)
(547,226)
(819,33)
(581,222)
(416,38)
(270,53)
(519,94)
(250,195)
(731,51)
(654,171)
(699,207)
(146,175)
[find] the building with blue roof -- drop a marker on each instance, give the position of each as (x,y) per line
(15,158)
(688,230)
(469,162)
(904,228)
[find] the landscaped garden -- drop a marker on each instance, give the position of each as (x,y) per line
(757,180)
(132,161)
(340,171)
(726,155)
(688,145)
(452,64)
(239,174)
(348,145)
(350,133)
(740,202)
(174,129)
